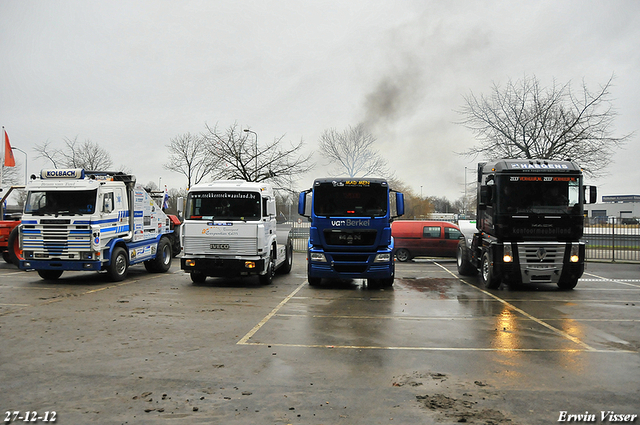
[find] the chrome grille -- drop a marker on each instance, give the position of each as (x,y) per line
(237,246)
(541,253)
(55,241)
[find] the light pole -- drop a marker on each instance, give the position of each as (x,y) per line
(26,161)
(246,130)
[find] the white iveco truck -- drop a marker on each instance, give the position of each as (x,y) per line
(92,221)
(229,229)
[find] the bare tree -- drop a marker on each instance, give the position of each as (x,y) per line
(524,120)
(353,152)
(12,176)
(88,155)
(415,205)
(237,154)
(188,156)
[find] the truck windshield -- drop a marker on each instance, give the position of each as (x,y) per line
(61,202)
(538,194)
(224,206)
(341,201)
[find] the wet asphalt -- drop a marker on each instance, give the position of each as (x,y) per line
(435,348)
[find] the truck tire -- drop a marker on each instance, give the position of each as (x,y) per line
(314,281)
(197,277)
(119,265)
(403,255)
(162,262)
(567,284)
(465,268)
(487,274)
(380,283)
(285,267)
(50,274)
(13,247)
(267,278)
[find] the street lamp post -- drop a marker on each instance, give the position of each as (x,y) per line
(246,130)
(26,161)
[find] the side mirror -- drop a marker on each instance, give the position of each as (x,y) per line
(303,208)
(486,197)
(399,204)
(590,194)
(271,208)
(180,202)
(108,205)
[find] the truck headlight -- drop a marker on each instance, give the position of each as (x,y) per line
(87,255)
(507,254)
(318,256)
(382,258)
(575,253)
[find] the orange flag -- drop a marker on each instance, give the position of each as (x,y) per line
(9,160)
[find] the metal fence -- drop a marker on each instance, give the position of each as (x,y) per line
(605,241)
(612,241)
(300,235)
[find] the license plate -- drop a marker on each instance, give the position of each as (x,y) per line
(219,246)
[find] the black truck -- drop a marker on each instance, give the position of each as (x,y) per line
(530,220)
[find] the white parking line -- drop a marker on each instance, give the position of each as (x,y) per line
(620,281)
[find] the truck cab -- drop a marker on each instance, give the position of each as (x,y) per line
(350,234)
(91,221)
(230,229)
(529,224)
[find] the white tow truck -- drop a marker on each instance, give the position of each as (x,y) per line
(92,221)
(230,229)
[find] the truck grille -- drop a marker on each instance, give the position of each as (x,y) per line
(541,261)
(56,241)
(365,237)
(220,246)
(541,253)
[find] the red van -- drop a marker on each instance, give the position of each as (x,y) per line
(414,238)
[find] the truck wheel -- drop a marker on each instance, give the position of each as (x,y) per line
(198,276)
(314,281)
(267,278)
(567,284)
(403,255)
(119,265)
(50,274)
(488,277)
(13,247)
(380,283)
(285,267)
(6,257)
(162,262)
(465,268)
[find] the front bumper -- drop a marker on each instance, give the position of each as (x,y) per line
(223,267)
(350,265)
(77,265)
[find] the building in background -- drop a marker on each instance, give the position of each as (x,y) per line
(622,209)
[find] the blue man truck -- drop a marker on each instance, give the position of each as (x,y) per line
(350,234)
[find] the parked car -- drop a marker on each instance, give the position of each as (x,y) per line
(415,238)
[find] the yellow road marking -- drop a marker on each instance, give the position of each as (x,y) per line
(274,312)
(469,349)
(257,327)
(524,313)
(55,300)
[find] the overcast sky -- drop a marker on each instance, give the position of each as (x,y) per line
(130,75)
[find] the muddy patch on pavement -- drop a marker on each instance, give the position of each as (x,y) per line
(453,400)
